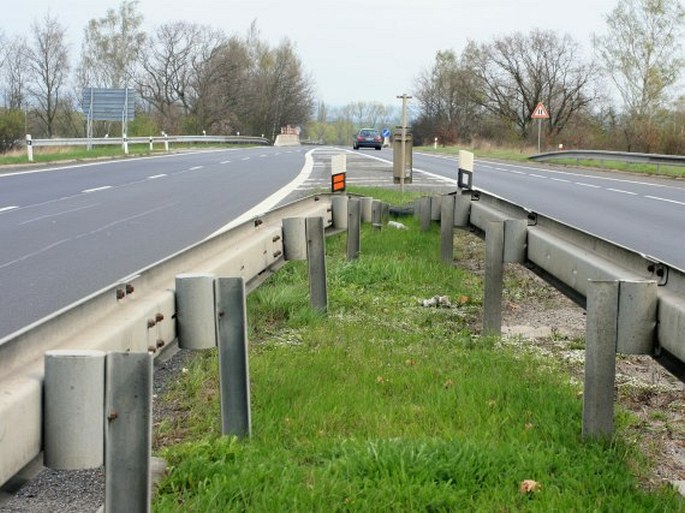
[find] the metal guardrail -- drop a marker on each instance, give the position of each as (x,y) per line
(137,315)
(164,140)
(603,156)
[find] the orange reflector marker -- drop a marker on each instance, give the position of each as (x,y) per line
(338,182)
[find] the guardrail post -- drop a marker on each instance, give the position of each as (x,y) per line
(436,208)
(447,228)
(195,311)
(423,211)
(377,214)
(339,206)
(29,147)
(494,271)
(462,209)
(353,229)
(515,234)
(234,374)
(166,143)
(128,432)
(600,358)
(367,209)
(637,314)
(294,238)
(316,257)
(74,392)
(385,213)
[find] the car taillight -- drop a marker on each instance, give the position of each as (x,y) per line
(360,138)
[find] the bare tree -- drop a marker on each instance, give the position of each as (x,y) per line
(513,73)
(641,52)
(365,114)
(15,73)
(111,47)
(48,62)
(443,95)
(176,54)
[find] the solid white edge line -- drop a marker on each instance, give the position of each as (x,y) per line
(6,209)
(96,189)
(273,200)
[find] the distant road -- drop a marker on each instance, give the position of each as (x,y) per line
(70,231)
(644,214)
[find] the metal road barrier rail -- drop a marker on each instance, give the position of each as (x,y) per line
(603,156)
(137,315)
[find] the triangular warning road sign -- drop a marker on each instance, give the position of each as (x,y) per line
(540,112)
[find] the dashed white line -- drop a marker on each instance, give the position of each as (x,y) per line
(537,176)
(562,180)
(657,198)
(225,162)
(154,177)
(96,189)
(6,209)
(245,158)
(590,185)
(195,168)
(621,191)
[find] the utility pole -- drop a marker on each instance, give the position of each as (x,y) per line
(403,158)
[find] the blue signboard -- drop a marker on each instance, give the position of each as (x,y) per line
(385,132)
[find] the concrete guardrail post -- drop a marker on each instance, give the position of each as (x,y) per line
(600,358)
(339,205)
(494,272)
(195,311)
(353,229)
(621,317)
(128,432)
(316,257)
(515,235)
(447,229)
(385,213)
(367,209)
(462,209)
(377,214)
(74,408)
(234,374)
(294,238)
(424,212)
(436,207)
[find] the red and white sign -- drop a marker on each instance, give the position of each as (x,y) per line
(540,112)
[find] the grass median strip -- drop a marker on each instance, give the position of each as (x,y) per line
(387,405)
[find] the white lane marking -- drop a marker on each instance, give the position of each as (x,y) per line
(225,162)
(657,198)
(96,189)
(35,253)
(562,180)
(195,168)
(263,155)
(154,177)
(40,218)
(590,185)
(7,209)
(621,191)
(537,176)
(275,198)
(245,158)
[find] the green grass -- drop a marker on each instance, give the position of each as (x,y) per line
(521,155)
(383,405)
(47,154)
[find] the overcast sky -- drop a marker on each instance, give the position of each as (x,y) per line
(355,50)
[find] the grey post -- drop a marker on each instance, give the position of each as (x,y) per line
(339,204)
(74,409)
(353,229)
(377,214)
(195,311)
(494,272)
(234,373)
(316,257)
(515,241)
(294,238)
(367,209)
(447,228)
(425,212)
(128,432)
(600,358)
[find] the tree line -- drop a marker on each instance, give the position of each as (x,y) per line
(189,78)
(192,77)
(622,97)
